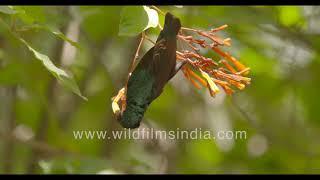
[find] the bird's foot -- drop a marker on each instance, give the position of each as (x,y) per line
(115,100)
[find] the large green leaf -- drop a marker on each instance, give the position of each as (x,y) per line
(135,19)
(65,79)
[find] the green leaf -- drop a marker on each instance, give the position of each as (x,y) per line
(7,10)
(65,79)
(55,32)
(31,14)
(34,14)
(152,17)
(94,21)
(59,34)
(135,19)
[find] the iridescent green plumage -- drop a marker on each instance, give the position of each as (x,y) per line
(154,70)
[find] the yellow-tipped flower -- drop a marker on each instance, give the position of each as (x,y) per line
(228,73)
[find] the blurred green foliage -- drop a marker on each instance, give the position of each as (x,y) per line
(279,110)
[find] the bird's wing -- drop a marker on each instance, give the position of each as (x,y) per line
(164,62)
(141,81)
(159,53)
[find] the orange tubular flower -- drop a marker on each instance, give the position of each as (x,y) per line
(226,73)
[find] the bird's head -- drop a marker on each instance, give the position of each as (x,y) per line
(130,118)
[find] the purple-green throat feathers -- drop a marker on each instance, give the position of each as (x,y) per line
(152,73)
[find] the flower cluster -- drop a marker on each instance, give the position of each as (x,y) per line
(227,72)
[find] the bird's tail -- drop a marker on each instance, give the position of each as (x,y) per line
(171,24)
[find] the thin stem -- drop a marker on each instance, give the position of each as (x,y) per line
(34,144)
(189,44)
(159,25)
(133,62)
(189,29)
(9,147)
(41,146)
(158,10)
(137,52)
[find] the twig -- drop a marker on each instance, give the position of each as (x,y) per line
(189,44)
(189,29)
(133,62)
(158,10)
(36,145)
(41,146)
(9,145)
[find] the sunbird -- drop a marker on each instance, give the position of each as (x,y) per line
(153,72)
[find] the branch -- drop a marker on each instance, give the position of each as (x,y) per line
(35,145)
(9,146)
(158,10)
